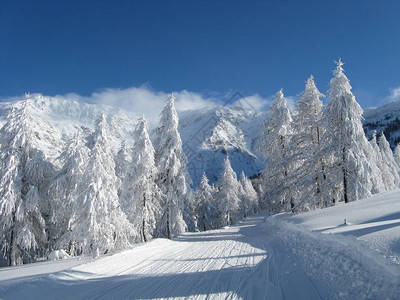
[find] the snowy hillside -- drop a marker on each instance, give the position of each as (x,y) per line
(210,134)
(207,134)
(308,256)
(56,120)
(385,118)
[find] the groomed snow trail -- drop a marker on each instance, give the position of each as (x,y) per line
(252,260)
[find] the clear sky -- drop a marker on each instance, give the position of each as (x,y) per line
(59,47)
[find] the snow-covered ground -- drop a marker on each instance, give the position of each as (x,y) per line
(308,256)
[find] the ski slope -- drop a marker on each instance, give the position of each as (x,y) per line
(308,256)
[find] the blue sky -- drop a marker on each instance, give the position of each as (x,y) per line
(204,47)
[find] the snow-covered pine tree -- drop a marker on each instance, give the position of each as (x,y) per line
(97,223)
(248,196)
(122,160)
(140,195)
(273,145)
(227,200)
(206,211)
(396,154)
(345,145)
(22,226)
(389,160)
(68,183)
(386,181)
(307,168)
(173,178)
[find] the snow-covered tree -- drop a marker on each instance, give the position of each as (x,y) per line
(97,223)
(206,211)
(22,226)
(389,160)
(66,186)
(346,146)
(227,200)
(248,196)
(140,194)
(273,145)
(306,178)
(173,178)
(122,160)
(396,154)
(384,182)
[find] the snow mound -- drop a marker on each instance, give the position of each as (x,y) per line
(57,254)
(373,222)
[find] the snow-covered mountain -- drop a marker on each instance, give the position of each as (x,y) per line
(384,118)
(208,135)
(55,120)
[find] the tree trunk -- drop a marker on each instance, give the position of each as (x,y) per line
(168,223)
(143,231)
(144,219)
(12,251)
(346,198)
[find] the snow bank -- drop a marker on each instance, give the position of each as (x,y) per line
(57,254)
(374,221)
(356,260)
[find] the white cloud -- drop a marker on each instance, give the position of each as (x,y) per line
(291,101)
(394,94)
(254,102)
(258,103)
(143,100)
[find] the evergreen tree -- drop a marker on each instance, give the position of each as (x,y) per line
(386,182)
(273,145)
(206,211)
(122,161)
(307,176)
(97,223)
(68,183)
(228,201)
(140,194)
(22,226)
(173,178)
(345,143)
(249,197)
(389,160)
(396,154)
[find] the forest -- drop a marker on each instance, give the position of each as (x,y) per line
(100,201)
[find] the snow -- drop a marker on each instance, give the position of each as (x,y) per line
(57,119)
(209,134)
(57,254)
(307,256)
(374,221)
(36,270)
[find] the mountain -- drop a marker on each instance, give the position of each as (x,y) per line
(384,119)
(208,135)
(55,120)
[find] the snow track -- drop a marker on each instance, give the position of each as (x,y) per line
(253,260)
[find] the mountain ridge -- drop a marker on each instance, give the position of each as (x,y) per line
(208,134)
